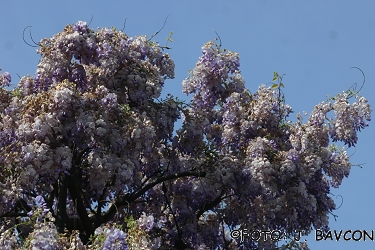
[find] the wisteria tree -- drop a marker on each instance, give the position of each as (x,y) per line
(90,157)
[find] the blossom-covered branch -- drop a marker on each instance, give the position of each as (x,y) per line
(90,157)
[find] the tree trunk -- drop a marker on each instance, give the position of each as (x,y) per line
(61,203)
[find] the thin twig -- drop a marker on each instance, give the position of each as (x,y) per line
(23,37)
(165,21)
(364,78)
(92,16)
(124,25)
(217,36)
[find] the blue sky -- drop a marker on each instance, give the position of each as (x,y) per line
(314,43)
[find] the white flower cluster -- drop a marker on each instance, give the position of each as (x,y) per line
(350,118)
(262,171)
(146,222)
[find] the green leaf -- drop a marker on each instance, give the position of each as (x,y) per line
(130,222)
(16,92)
(275,76)
(282,85)
(275,86)
(169,38)
(125,108)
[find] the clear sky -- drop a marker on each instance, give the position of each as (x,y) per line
(314,43)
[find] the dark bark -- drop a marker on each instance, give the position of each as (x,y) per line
(20,205)
(77,196)
(61,203)
(209,206)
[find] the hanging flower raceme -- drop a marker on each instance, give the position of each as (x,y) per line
(215,77)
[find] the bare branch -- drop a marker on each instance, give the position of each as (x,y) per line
(92,16)
(124,25)
(129,198)
(162,179)
(20,204)
(211,205)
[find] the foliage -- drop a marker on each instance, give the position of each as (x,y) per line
(89,158)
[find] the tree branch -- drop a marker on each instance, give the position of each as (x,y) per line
(19,204)
(10,214)
(141,192)
(129,198)
(209,206)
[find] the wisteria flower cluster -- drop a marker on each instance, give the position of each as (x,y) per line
(5,79)
(89,149)
(40,203)
(114,238)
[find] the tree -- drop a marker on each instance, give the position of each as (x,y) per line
(89,158)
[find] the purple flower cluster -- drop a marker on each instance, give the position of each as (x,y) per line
(116,239)
(44,236)
(5,79)
(78,53)
(40,202)
(110,100)
(245,116)
(215,76)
